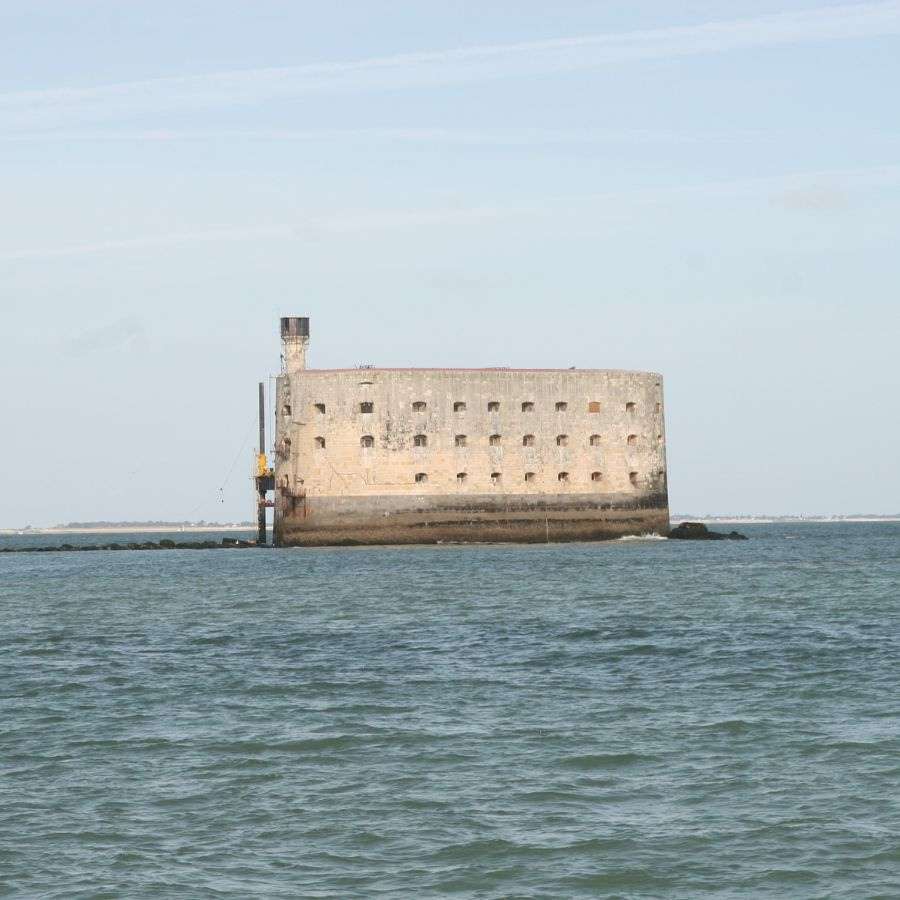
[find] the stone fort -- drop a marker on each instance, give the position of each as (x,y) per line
(398,456)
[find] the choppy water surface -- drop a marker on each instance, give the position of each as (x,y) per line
(636,719)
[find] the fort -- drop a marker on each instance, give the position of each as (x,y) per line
(399,456)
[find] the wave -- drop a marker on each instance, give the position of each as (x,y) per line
(729,726)
(591,761)
(649,536)
(251,747)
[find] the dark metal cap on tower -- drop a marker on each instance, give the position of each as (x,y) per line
(294,326)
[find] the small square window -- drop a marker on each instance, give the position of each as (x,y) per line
(494,406)
(563,476)
(496,478)
(421,477)
(320,443)
(630,406)
(594,406)
(595,440)
(420,440)
(459,406)
(320,409)
(562,406)
(419,406)
(494,440)
(562,440)
(366,406)
(596,476)
(528,440)
(460,440)
(461,477)
(528,406)
(529,476)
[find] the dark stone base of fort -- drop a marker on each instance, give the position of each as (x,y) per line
(346,521)
(551,526)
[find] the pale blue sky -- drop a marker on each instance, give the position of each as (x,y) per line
(706,189)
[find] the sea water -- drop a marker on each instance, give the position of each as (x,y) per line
(658,719)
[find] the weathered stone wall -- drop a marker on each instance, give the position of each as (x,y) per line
(455,454)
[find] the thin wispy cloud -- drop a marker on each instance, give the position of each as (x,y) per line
(55,107)
(172,239)
(813,198)
(311,229)
(412,135)
(126,333)
(816,191)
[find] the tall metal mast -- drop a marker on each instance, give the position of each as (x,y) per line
(265,477)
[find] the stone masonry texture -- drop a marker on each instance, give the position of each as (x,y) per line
(385,456)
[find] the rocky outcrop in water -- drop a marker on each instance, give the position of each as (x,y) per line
(164,544)
(697,531)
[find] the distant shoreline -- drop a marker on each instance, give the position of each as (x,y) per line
(781,520)
(129,529)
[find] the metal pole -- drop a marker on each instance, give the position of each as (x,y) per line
(260,489)
(262,417)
